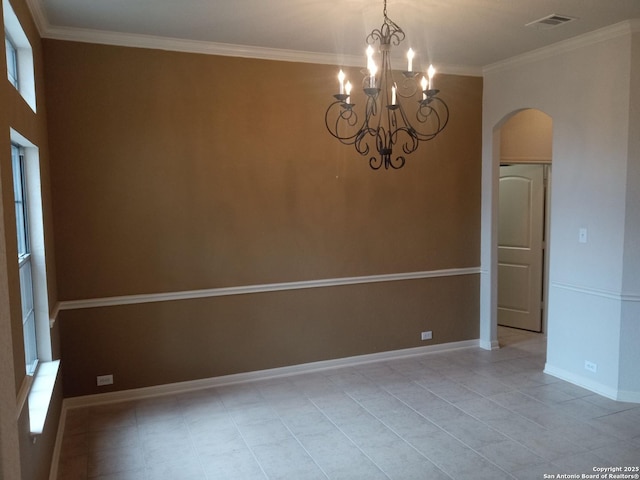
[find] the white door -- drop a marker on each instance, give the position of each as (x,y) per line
(520,243)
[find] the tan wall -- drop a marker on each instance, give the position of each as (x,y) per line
(527,138)
(15,113)
(177,171)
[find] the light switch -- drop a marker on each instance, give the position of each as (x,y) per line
(582,235)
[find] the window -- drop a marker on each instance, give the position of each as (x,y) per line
(42,370)
(12,61)
(19,56)
(24,258)
(25,162)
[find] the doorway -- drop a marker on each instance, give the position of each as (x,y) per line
(521,245)
(523,213)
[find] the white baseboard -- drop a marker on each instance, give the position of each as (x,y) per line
(55,459)
(173,388)
(492,345)
(628,396)
(180,387)
(596,387)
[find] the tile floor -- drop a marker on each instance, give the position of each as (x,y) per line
(466,414)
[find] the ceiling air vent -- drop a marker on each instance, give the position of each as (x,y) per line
(550,21)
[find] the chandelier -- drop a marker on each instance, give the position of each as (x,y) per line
(386,123)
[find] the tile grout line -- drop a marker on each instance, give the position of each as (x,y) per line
(348,437)
(300,443)
(518,390)
(437,426)
(192,440)
(235,424)
(400,436)
(633,442)
(453,435)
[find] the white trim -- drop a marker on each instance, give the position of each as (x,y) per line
(46,30)
(26,73)
(53,316)
(180,387)
(23,394)
(57,446)
(521,159)
(39,16)
(248,289)
(629,397)
(40,395)
(630,297)
(596,387)
(603,34)
(598,292)
(492,345)
(135,40)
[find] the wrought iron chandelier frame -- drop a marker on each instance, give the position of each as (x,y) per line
(386,122)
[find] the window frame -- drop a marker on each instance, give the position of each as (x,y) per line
(13,31)
(25,265)
(12,61)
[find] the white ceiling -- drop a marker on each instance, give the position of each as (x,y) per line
(457,34)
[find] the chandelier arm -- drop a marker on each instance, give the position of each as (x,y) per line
(388,161)
(432,104)
(436,119)
(398,163)
(345,116)
(411,145)
(375,163)
(445,112)
(405,120)
(372,108)
(362,147)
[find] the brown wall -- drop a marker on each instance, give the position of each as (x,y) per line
(15,113)
(527,138)
(152,344)
(176,171)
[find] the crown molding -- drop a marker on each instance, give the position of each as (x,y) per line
(224,49)
(626,27)
(121,39)
(103,37)
(39,16)
(46,30)
(193,46)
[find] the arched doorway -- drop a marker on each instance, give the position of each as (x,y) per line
(525,155)
(531,128)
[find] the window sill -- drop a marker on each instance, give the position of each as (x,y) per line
(40,395)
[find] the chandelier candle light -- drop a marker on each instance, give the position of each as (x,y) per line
(385,123)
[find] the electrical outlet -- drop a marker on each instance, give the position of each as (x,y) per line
(426,335)
(103,380)
(592,367)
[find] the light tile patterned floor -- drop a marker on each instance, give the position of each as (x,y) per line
(467,414)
